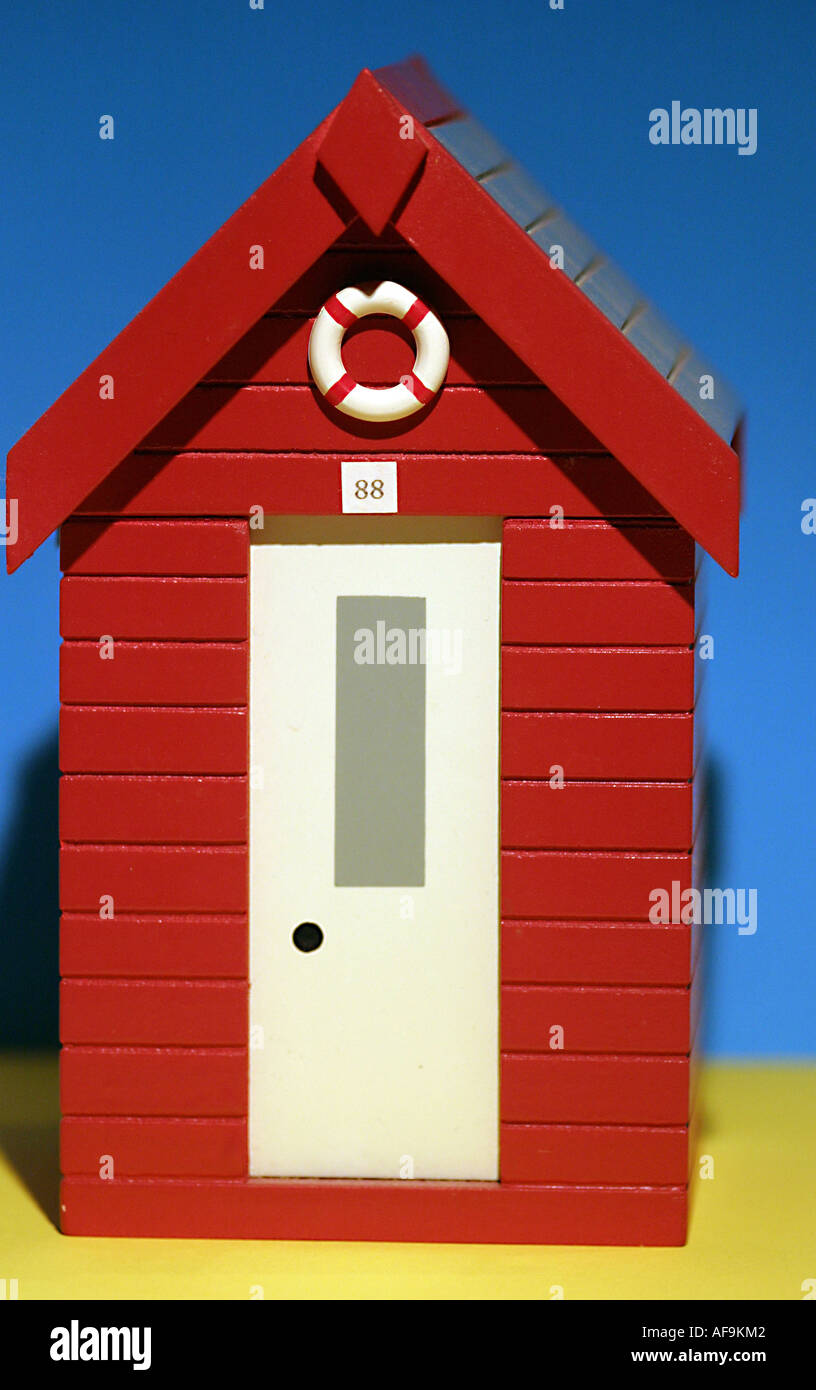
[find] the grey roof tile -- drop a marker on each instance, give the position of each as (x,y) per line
(472,145)
(520,196)
(604,284)
(578,249)
(612,292)
(723,412)
(656,339)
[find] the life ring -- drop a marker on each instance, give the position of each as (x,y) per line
(412,391)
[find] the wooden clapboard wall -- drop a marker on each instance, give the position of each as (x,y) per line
(495,442)
(597,763)
(597,678)
(153,815)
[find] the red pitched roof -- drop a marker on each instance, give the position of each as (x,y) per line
(399,149)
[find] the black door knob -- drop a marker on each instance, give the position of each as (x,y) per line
(307,936)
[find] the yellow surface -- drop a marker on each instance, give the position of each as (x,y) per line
(753,1232)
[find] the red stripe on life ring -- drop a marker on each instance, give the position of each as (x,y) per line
(337,310)
(418,388)
(340,389)
(415,314)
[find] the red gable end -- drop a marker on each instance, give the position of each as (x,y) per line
(382,155)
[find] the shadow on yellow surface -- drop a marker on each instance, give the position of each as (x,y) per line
(29,1129)
(751,1232)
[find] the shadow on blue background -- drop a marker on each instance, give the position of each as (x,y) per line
(714,832)
(29,903)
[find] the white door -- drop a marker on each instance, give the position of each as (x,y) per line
(374,908)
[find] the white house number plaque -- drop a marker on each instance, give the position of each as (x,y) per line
(369,485)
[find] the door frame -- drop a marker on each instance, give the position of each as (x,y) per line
(452,579)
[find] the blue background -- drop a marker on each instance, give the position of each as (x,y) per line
(208,98)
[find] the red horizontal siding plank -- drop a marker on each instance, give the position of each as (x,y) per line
(597,1018)
(534,549)
(594,1154)
(154,673)
(451,1212)
(148,484)
(561,1089)
(596,815)
(557,884)
(595,953)
(150,1147)
(185,547)
(205,610)
(147,879)
(377,352)
(167,947)
(101,739)
(658,747)
(154,1012)
(597,678)
(507,418)
(133,1081)
(154,810)
(572,612)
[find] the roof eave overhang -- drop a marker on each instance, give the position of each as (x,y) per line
(465,236)
(216,297)
(489,260)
